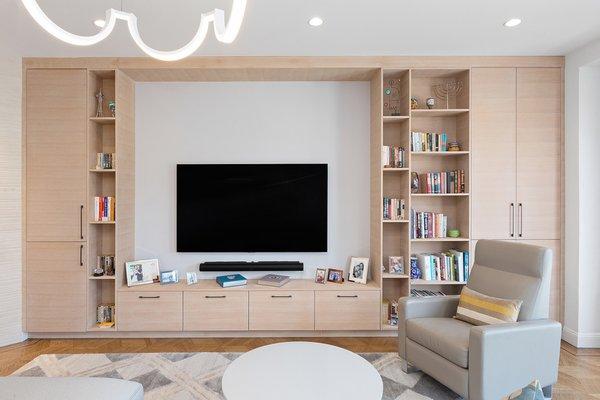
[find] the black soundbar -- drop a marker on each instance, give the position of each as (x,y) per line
(232,266)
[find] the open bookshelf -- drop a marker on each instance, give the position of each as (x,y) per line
(399,118)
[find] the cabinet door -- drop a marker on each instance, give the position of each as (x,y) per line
(493,140)
(56,287)
(150,311)
(215,311)
(56,154)
(539,121)
(347,310)
(281,310)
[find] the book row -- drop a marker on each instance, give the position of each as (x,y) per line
(452,265)
(428,225)
(104,208)
(105,160)
(443,182)
(393,157)
(421,141)
(105,265)
(393,209)
(425,293)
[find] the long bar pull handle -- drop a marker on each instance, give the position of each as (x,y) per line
(512,220)
(347,296)
(215,297)
(81,255)
(81,222)
(520,219)
(148,297)
(289,296)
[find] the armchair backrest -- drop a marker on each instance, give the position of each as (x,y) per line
(513,270)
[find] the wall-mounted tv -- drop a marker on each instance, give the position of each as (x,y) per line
(252,207)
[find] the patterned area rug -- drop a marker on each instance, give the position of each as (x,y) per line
(187,376)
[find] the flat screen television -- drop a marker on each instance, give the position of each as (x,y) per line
(252,207)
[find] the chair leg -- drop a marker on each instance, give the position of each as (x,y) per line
(407,368)
(547,390)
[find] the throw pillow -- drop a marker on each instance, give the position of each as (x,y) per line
(478,309)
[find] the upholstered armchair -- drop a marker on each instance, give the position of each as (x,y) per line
(491,361)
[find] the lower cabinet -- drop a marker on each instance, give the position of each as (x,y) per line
(346,310)
(215,311)
(150,311)
(282,310)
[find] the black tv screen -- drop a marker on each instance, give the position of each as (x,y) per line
(252,207)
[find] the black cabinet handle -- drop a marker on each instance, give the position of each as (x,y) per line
(520,219)
(81,221)
(215,297)
(81,255)
(289,296)
(354,296)
(148,297)
(512,219)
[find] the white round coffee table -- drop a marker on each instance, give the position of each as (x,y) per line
(301,371)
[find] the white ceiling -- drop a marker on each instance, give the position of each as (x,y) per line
(352,27)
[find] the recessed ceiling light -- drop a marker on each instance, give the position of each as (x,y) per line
(512,22)
(99,23)
(315,21)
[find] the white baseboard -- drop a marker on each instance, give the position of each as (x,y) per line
(580,339)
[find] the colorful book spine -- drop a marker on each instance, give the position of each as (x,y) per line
(443,182)
(428,142)
(452,265)
(393,209)
(428,225)
(104,208)
(105,160)
(393,157)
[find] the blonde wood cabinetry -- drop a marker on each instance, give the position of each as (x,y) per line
(218,310)
(56,281)
(56,163)
(347,310)
(281,310)
(150,311)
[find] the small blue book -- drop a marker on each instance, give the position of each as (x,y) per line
(231,280)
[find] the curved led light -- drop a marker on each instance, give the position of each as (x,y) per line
(225,33)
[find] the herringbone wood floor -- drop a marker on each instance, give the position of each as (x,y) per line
(579,371)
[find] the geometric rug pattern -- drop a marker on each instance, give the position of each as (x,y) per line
(191,376)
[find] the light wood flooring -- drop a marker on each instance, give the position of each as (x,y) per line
(579,371)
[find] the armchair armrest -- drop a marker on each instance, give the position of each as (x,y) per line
(422,307)
(506,357)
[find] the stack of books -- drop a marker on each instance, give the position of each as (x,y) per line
(105,160)
(273,280)
(232,280)
(393,209)
(421,141)
(452,265)
(427,225)
(393,157)
(443,182)
(104,208)
(425,293)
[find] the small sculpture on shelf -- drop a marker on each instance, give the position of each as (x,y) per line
(112,106)
(391,105)
(430,103)
(414,103)
(453,146)
(414,182)
(453,233)
(446,90)
(415,272)
(99,102)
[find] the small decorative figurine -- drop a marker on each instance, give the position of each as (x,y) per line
(415,272)
(391,93)
(99,101)
(430,103)
(414,182)
(454,233)
(112,106)
(449,89)
(414,103)
(453,146)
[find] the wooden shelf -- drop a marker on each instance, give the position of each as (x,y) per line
(439,194)
(447,239)
(387,275)
(439,112)
(394,118)
(102,222)
(100,171)
(423,282)
(387,327)
(396,169)
(103,120)
(395,221)
(95,328)
(102,278)
(439,153)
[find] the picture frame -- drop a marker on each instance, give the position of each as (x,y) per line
(396,265)
(359,269)
(335,275)
(321,275)
(169,277)
(191,278)
(142,272)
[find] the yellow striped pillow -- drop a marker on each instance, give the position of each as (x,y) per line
(479,309)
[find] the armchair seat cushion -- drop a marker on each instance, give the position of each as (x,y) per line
(447,337)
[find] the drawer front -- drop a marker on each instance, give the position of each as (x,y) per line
(347,310)
(282,310)
(150,311)
(215,311)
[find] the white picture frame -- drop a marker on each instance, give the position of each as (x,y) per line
(396,265)
(191,278)
(359,269)
(142,272)
(169,277)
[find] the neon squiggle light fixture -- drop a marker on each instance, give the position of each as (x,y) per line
(225,33)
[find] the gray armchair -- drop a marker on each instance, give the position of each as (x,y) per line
(487,362)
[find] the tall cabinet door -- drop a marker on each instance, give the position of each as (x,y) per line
(493,141)
(56,287)
(539,121)
(56,154)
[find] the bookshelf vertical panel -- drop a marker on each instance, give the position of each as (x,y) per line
(376,198)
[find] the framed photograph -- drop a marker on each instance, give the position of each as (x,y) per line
(396,264)
(335,275)
(167,277)
(321,275)
(359,269)
(191,278)
(142,272)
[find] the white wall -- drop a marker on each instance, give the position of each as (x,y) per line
(252,122)
(582,216)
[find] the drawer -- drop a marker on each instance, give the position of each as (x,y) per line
(215,311)
(347,310)
(282,310)
(149,311)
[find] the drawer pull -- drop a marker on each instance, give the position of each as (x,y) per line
(289,296)
(354,296)
(148,297)
(215,297)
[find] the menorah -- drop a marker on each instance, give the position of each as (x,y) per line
(445,90)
